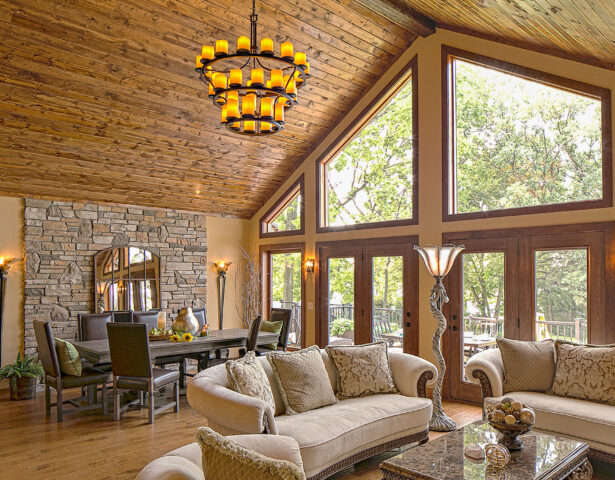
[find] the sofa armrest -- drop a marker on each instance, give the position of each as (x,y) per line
(278,447)
(486,368)
(171,468)
(234,412)
(411,373)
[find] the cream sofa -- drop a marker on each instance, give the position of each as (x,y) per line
(329,438)
(590,422)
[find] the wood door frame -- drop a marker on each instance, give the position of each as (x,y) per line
(601,276)
(455,387)
(411,264)
(265,252)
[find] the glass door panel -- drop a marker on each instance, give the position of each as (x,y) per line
(483,302)
(388,300)
(286,290)
(561,294)
(341,305)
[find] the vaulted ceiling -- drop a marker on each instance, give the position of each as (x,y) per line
(99,99)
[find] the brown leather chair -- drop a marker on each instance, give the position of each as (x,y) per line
(278,314)
(122,316)
(250,342)
(58,380)
(93,326)
(132,367)
(148,318)
(151,320)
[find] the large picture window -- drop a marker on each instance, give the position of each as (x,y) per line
(369,178)
(521,141)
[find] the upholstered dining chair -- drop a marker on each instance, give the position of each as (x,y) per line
(250,343)
(278,315)
(132,367)
(54,378)
(93,326)
(151,320)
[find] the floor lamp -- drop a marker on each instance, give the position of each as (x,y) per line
(221,268)
(439,260)
(5,265)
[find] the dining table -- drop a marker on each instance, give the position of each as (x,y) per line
(97,351)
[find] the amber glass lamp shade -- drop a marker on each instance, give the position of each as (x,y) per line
(221,267)
(439,259)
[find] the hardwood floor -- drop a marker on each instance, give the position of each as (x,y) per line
(88,445)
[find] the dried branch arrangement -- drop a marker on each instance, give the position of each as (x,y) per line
(248,288)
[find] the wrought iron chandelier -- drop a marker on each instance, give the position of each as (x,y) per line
(252,104)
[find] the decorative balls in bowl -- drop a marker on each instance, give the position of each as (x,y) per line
(511,419)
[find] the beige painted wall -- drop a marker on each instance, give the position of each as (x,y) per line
(431,226)
(11,245)
(225,237)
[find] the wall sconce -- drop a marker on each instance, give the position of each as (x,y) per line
(5,266)
(101,289)
(221,268)
(309,265)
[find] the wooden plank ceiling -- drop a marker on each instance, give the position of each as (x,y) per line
(99,99)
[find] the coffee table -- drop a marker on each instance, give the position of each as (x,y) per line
(543,457)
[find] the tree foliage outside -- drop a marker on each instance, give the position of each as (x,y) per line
(370,180)
(520,143)
(286,289)
(289,218)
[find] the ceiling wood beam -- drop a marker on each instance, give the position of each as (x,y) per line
(398,12)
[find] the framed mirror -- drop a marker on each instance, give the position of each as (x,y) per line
(126,278)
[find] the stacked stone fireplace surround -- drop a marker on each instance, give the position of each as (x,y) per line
(61,239)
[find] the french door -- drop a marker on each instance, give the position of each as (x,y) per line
(367,291)
(527,284)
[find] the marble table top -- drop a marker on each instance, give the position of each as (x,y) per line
(543,457)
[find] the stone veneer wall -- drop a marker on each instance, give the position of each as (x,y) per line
(61,239)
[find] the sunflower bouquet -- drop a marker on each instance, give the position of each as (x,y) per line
(181,337)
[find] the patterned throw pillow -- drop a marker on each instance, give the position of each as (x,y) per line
(586,372)
(223,458)
(273,327)
(528,366)
(68,356)
(362,370)
(302,379)
(247,376)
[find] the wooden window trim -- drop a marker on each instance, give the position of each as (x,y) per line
(298,187)
(448,140)
(322,334)
(408,72)
(604,329)
(265,252)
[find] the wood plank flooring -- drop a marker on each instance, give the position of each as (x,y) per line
(90,446)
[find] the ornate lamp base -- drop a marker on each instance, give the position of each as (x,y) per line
(442,423)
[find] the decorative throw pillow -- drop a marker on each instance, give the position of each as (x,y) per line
(273,327)
(68,356)
(586,372)
(528,366)
(247,376)
(223,458)
(302,379)
(362,370)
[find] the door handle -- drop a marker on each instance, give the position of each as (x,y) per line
(454,328)
(408,324)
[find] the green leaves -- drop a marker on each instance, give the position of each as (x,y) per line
(26,367)
(521,143)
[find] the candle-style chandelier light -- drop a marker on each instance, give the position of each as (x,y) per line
(252,104)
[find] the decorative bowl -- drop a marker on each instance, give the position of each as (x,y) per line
(158,338)
(511,419)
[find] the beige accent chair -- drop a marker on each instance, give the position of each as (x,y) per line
(590,422)
(185,463)
(332,437)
